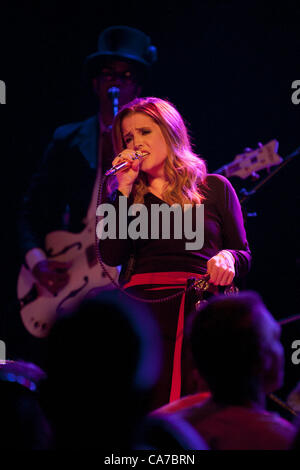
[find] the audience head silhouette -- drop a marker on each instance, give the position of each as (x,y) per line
(103,361)
(236,346)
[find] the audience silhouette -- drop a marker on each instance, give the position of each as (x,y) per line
(236,346)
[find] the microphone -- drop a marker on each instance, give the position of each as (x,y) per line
(120,166)
(114,93)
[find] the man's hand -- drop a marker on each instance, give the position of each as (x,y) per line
(53,275)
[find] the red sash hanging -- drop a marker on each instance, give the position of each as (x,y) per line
(169,280)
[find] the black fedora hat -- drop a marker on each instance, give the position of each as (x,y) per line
(122,42)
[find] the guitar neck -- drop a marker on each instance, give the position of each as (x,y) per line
(228,170)
(252,161)
(221,171)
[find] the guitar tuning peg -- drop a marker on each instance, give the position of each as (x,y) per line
(248,149)
(244,192)
(254,176)
(260,145)
(251,214)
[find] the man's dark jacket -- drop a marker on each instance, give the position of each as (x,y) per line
(64,181)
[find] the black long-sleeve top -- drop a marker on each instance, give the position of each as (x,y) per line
(223,229)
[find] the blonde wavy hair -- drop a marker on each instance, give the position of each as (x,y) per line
(184,170)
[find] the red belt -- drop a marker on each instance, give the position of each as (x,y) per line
(170,280)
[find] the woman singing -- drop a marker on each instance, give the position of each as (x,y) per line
(169,173)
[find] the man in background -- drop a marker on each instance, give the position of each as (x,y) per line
(63,193)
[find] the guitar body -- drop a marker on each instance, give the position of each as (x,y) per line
(39,308)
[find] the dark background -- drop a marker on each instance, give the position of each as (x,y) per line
(228,66)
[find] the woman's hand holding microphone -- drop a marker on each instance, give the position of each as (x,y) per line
(128,175)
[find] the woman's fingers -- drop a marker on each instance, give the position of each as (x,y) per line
(127,155)
(220,271)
